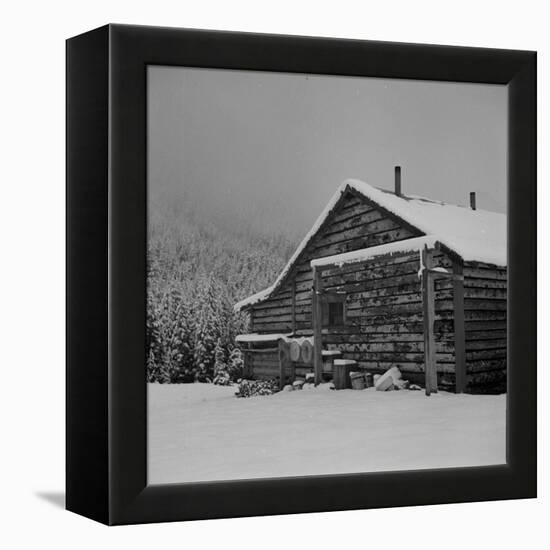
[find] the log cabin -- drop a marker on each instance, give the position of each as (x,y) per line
(390,280)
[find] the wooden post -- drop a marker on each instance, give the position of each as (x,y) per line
(247,367)
(428,307)
(294,306)
(282,364)
(317,319)
(459,328)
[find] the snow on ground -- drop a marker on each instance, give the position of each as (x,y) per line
(202,432)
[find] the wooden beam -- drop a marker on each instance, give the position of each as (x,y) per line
(317,326)
(282,364)
(459,328)
(293,305)
(428,309)
(247,368)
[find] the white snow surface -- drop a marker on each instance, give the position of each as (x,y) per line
(397,247)
(202,432)
(475,235)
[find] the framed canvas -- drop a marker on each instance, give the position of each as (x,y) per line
(301,274)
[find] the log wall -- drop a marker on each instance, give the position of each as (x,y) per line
(385,318)
(485,304)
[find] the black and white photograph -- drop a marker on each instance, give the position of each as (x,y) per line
(326,274)
(274,275)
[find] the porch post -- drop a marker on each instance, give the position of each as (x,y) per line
(459,328)
(293,306)
(317,320)
(428,308)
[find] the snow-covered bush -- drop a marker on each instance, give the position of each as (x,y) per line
(250,388)
(236,364)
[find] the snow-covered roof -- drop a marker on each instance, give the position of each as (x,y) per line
(474,235)
(397,247)
(250,338)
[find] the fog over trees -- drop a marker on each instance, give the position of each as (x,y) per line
(198,268)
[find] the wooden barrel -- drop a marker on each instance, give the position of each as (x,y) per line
(306,351)
(341,372)
(295,350)
(357,380)
(284,351)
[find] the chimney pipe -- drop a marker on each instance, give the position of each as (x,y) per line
(473,200)
(398,181)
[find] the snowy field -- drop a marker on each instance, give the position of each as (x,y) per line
(202,432)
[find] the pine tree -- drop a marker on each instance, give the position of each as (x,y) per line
(236,364)
(221,372)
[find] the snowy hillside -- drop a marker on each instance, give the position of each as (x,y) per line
(197,269)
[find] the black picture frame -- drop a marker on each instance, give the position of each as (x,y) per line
(106,274)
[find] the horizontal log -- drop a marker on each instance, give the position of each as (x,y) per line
(373,337)
(485,378)
(372,239)
(261,356)
(488,335)
(394,357)
(404,366)
(474,293)
(272,303)
(304,331)
(265,368)
(359,301)
(481,273)
(374,263)
(391,346)
(357,310)
(375,268)
(398,282)
(390,318)
(273,327)
(485,293)
(378,271)
(349,211)
(258,352)
(471,304)
(271,312)
(485,283)
(485,326)
(281,318)
(346,222)
(486,365)
(392,328)
(486,344)
(476,315)
(486,354)
(493,284)
(351,233)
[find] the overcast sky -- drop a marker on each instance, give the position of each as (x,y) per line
(273,147)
